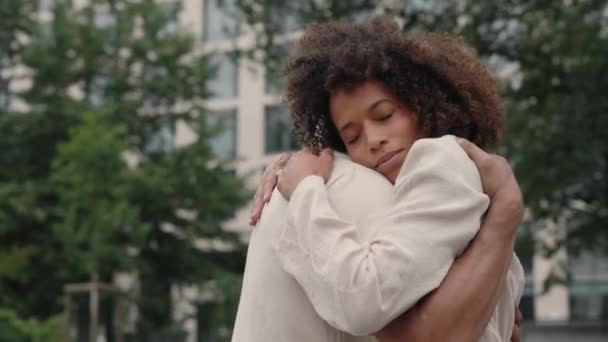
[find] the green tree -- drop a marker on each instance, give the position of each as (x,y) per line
(96,222)
(15,24)
(109,82)
(14,329)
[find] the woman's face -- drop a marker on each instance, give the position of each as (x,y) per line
(375,127)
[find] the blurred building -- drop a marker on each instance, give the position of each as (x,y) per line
(246,98)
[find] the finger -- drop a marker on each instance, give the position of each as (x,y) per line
(280,181)
(256,211)
(256,208)
(518,316)
(284,158)
(254,200)
(269,179)
(515,337)
(327,154)
(262,194)
(275,166)
(280,162)
(474,152)
(310,150)
(269,186)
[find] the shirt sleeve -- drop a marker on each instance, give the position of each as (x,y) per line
(359,284)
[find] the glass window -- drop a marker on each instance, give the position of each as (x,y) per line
(286,17)
(221,20)
(4,99)
(589,301)
(589,287)
(224,80)
(160,138)
(170,14)
(278,133)
(45,5)
(221,131)
(526,305)
(104,19)
(363,14)
(275,60)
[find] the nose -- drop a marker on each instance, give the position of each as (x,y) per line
(376,141)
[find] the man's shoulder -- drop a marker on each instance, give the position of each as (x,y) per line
(346,172)
(446,146)
(356,192)
(442,158)
(444,151)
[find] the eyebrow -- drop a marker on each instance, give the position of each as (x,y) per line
(376,104)
(369,109)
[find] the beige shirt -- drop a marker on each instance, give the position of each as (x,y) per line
(362,252)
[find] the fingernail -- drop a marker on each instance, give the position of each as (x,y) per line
(460,140)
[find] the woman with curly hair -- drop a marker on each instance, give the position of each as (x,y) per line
(394,103)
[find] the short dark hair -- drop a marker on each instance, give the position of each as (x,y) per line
(436,75)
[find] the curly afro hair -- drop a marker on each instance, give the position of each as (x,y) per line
(435,75)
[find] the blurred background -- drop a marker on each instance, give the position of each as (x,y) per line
(133,133)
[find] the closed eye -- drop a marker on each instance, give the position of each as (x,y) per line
(385,117)
(352,140)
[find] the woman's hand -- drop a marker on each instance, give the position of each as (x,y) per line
(516,335)
(309,162)
(266,187)
(302,164)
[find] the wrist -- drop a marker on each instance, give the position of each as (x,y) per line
(503,217)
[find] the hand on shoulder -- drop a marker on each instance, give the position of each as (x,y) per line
(302,164)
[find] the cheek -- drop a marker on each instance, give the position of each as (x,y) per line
(406,129)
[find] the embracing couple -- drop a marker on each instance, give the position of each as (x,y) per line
(389,225)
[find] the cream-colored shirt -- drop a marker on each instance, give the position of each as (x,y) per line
(361,252)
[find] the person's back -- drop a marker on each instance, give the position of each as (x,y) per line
(273,306)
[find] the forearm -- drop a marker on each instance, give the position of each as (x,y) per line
(460,309)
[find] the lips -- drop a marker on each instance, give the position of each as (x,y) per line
(387,157)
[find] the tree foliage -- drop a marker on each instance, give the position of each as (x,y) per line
(91,181)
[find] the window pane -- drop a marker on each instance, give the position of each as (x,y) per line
(287,17)
(223,84)
(103,19)
(222,140)
(275,60)
(588,286)
(221,20)
(589,302)
(171,12)
(45,5)
(160,137)
(278,130)
(4,100)
(526,305)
